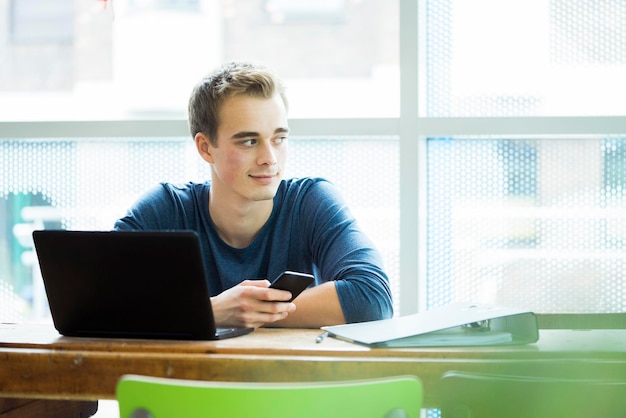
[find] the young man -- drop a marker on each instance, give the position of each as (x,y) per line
(253,224)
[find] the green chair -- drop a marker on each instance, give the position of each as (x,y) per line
(481,395)
(155,397)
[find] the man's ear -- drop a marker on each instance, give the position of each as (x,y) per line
(204,147)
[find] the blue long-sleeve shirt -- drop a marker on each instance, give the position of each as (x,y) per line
(310,230)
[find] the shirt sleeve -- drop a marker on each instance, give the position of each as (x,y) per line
(161,208)
(343,253)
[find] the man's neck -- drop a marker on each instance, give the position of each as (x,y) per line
(239,223)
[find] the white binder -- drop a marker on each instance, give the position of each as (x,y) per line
(458,324)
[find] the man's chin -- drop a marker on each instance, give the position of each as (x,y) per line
(265,194)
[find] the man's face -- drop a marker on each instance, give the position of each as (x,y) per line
(251,151)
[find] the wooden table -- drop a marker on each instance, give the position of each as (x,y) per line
(37,363)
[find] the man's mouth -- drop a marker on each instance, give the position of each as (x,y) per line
(264,178)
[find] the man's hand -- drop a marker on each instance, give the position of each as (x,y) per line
(251,304)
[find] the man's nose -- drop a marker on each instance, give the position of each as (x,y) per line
(267,154)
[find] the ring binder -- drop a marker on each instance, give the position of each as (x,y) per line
(458,324)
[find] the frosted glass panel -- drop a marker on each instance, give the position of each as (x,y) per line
(88,184)
(534,223)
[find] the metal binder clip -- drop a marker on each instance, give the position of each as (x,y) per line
(479,325)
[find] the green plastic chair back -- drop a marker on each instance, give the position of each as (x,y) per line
(153,397)
(470,394)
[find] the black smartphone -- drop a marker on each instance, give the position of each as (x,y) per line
(293,281)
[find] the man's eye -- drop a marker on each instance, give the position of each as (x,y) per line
(248,142)
(281,139)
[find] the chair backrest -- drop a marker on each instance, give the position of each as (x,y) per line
(469,395)
(154,397)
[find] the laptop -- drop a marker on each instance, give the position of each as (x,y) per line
(127,284)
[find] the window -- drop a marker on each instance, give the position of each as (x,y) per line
(41,21)
(480,143)
(518,217)
(87,184)
(126,81)
(525,222)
